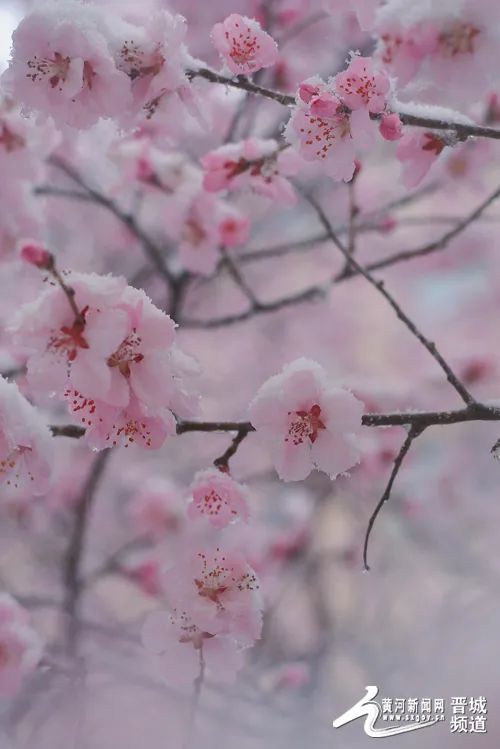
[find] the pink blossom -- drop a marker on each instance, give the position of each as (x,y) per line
(178,648)
(234,229)
(307,422)
(154,57)
(218,497)
(20,646)
(146,574)
(219,590)
(361,86)
(157,509)
(402,50)
(199,245)
(116,364)
(26,445)
(61,65)
(417,151)
(243,45)
(391,127)
(325,131)
(255,164)
(291,676)
(364,9)
(111,426)
(46,330)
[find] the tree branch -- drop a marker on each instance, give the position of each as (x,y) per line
(150,248)
(412,435)
(379,286)
(462,130)
(76,545)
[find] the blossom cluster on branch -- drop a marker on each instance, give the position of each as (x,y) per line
(164,181)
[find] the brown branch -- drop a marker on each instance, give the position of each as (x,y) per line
(438,244)
(412,435)
(306,295)
(462,130)
(152,251)
(76,546)
(472,412)
(242,83)
(400,314)
(241,434)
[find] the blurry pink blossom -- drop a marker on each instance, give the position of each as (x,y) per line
(218,497)
(26,446)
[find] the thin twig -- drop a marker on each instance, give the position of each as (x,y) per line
(150,248)
(76,546)
(438,244)
(401,315)
(223,461)
(412,435)
(195,702)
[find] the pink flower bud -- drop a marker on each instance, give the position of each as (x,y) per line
(391,127)
(37,255)
(387,224)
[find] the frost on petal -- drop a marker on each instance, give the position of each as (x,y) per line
(61,65)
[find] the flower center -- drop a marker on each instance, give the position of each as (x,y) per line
(70,338)
(128,353)
(458,39)
(244,47)
(56,69)
(8,466)
(136,64)
(304,425)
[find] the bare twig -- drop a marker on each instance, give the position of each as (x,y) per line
(153,252)
(76,546)
(412,435)
(195,702)
(379,286)
(241,434)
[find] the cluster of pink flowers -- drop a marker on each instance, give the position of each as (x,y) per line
(78,62)
(197,221)
(26,446)
(215,607)
(116,363)
(20,646)
(332,120)
(23,147)
(307,422)
(253,164)
(449,44)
